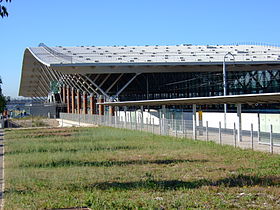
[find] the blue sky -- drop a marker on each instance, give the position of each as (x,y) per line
(130,22)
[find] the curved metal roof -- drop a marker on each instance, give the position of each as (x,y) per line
(167,55)
(141,59)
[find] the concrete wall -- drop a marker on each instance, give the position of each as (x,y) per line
(214,118)
(247,119)
(270,119)
(148,117)
(43,110)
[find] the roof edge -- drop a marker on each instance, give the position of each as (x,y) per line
(36,57)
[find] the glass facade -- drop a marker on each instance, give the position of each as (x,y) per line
(203,84)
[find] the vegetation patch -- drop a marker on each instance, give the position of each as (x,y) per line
(108,168)
(32,121)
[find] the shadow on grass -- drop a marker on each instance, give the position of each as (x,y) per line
(45,135)
(67,163)
(234,181)
(62,149)
(166,185)
(16,191)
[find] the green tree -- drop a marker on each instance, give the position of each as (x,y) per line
(3,9)
(2,103)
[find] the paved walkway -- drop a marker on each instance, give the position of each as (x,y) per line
(70,123)
(1,168)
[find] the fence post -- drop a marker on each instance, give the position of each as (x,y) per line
(194,121)
(160,124)
(271,139)
(252,136)
(79,120)
(62,122)
(259,128)
(207,137)
(131,124)
(141,122)
(113,121)
(183,128)
(239,115)
(163,120)
(116,116)
(125,117)
(135,121)
(171,122)
(220,133)
(234,134)
(153,125)
(150,116)
(142,117)
(176,134)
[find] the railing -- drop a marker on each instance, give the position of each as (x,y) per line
(56,54)
(255,43)
(183,129)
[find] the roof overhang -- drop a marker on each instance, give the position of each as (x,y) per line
(231,99)
(29,75)
(113,68)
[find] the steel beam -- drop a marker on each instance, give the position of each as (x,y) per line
(104,80)
(92,82)
(125,86)
(44,76)
(82,85)
(112,85)
(89,86)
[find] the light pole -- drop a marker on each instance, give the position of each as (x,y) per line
(225,86)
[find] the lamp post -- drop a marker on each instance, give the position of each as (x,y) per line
(225,86)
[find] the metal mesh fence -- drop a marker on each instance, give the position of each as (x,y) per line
(247,139)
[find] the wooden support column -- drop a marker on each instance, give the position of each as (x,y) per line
(63,94)
(92,104)
(68,100)
(73,100)
(78,102)
(111,110)
(101,107)
(84,102)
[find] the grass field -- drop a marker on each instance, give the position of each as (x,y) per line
(107,168)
